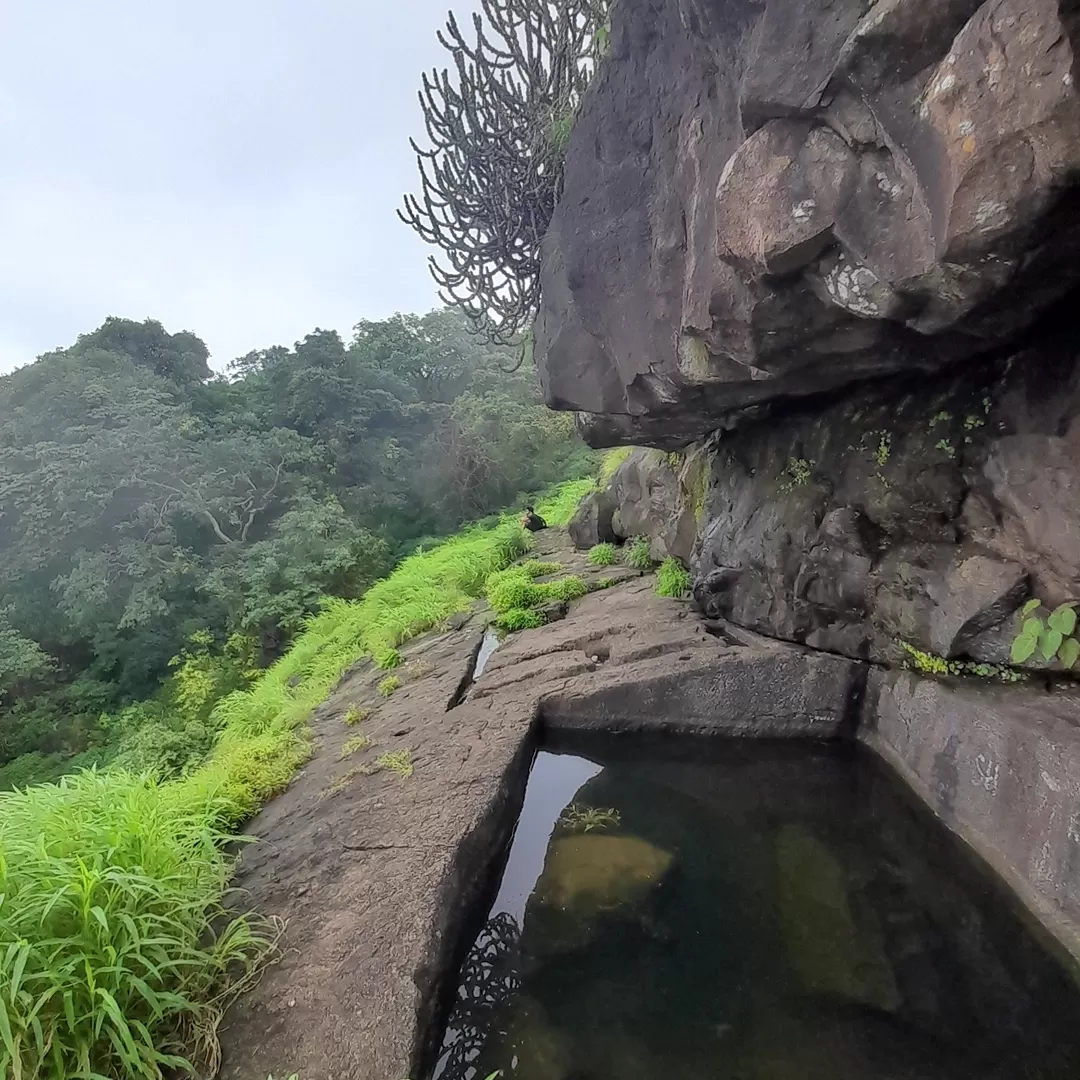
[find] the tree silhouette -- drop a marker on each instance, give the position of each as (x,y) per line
(489,979)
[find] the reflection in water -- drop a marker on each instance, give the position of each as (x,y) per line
(754,913)
(489,979)
(487,650)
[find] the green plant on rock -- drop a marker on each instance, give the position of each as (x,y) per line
(517,619)
(797,473)
(939,418)
(353,746)
(929,664)
(357,714)
(636,554)
(567,588)
(946,447)
(511,589)
(576,818)
(398,762)
(672,579)
(1052,635)
(388,660)
(602,555)
(388,685)
(883,449)
(603,583)
(539,568)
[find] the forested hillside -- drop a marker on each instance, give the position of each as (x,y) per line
(164,532)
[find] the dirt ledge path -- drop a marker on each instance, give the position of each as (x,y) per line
(378,875)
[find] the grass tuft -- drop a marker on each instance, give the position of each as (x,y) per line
(353,746)
(398,762)
(387,687)
(636,554)
(388,659)
(672,579)
(602,555)
(357,714)
(520,619)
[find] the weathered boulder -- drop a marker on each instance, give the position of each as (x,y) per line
(770,198)
(659,496)
(591,523)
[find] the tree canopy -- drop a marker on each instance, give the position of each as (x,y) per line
(143,501)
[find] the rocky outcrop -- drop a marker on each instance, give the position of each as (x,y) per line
(591,523)
(767,199)
(660,497)
(906,511)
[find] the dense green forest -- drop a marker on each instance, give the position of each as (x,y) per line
(165,532)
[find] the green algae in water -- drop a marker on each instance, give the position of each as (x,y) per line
(759,912)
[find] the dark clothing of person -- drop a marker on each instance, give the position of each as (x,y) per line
(533,521)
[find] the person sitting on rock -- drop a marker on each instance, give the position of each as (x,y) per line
(532,521)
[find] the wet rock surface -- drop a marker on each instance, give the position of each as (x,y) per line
(766,199)
(377,874)
(1001,767)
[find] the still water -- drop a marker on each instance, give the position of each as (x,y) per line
(728,911)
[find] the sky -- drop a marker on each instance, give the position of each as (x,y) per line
(229,167)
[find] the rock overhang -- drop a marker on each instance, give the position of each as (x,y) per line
(769,199)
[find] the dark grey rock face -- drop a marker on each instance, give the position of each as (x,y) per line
(772,198)
(924,511)
(653,500)
(1000,766)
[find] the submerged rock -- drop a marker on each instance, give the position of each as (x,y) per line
(589,878)
(832,953)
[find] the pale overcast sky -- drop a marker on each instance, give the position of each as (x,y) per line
(230,167)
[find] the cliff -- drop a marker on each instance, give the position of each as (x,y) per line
(833,245)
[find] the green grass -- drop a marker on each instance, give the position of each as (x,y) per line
(398,762)
(517,619)
(117,957)
(357,714)
(612,460)
(557,505)
(636,554)
(602,555)
(672,579)
(353,746)
(389,685)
